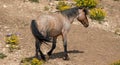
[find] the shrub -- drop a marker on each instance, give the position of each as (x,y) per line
(97,14)
(62,6)
(116,0)
(12,41)
(37,1)
(86,3)
(46,8)
(35,61)
(2,56)
(116,63)
(117,31)
(31,61)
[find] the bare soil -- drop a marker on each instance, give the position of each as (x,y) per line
(95,45)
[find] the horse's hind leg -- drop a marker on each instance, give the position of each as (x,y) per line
(37,45)
(53,46)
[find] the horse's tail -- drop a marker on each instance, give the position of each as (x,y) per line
(36,33)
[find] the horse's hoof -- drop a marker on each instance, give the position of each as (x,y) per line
(49,54)
(66,58)
(47,57)
(38,57)
(43,58)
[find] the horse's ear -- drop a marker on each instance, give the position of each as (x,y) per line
(82,8)
(86,10)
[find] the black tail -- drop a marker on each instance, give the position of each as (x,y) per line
(36,32)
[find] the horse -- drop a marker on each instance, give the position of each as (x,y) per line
(49,26)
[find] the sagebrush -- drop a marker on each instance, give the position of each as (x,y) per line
(62,6)
(37,1)
(86,3)
(97,14)
(2,56)
(116,63)
(12,41)
(32,61)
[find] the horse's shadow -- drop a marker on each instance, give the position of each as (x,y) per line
(61,54)
(58,55)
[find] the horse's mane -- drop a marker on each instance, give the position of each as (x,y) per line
(72,12)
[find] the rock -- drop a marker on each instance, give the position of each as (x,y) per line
(7,46)
(117,31)
(4,49)
(5,6)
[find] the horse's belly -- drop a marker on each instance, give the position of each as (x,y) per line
(53,33)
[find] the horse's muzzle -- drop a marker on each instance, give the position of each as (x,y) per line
(86,25)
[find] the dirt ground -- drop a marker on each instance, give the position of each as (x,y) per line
(95,45)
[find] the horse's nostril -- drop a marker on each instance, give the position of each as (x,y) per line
(86,25)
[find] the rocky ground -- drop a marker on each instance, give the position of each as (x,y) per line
(95,45)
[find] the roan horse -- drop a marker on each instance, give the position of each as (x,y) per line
(50,26)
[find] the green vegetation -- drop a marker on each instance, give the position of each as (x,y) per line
(116,63)
(46,8)
(62,6)
(12,42)
(2,56)
(37,1)
(97,14)
(86,3)
(116,0)
(31,61)
(36,62)
(117,31)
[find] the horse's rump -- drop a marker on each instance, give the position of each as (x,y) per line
(36,33)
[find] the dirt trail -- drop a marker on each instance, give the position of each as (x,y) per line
(86,46)
(90,46)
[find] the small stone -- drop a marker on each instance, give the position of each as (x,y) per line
(5,27)
(117,31)
(8,30)
(4,49)
(7,46)
(5,6)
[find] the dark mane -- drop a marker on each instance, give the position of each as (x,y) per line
(72,12)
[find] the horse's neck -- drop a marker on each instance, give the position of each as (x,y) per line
(71,19)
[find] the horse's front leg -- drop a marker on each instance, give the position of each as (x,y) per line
(66,57)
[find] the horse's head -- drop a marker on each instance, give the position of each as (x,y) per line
(82,17)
